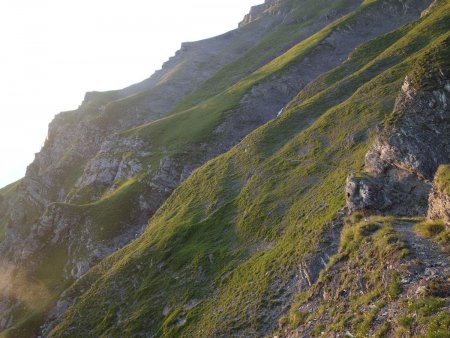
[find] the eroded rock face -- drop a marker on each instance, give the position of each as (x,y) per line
(268,8)
(398,191)
(439,206)
(429,9)
(439,198)
(417,139)
(365,193)
(407,151)
(117,160)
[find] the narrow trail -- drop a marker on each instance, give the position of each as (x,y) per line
(429,253)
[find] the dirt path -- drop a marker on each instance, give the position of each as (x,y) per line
(429,253)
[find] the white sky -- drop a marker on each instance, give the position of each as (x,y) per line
(53,51)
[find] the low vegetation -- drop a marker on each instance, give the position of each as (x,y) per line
(443,179)
(231,245)
(228,243)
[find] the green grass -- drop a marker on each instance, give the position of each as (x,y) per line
(442,179)
(405,322)
(435,231)
(5,191)
(394,285)
(169,133)
(231,237)
(354,300)
(430,228)
(26,327)
(6,194)
(431,313)
(276,41)
(202,118)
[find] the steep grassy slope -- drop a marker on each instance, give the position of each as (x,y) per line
(231,247)
(167,136)
(190,138)
(443,179)
(304,18)
(382,296)
(87,222)
(75,137)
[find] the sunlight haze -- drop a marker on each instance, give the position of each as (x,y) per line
(55,51)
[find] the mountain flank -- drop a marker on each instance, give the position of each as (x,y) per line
(289,178)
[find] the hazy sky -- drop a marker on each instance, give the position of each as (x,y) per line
(53,51)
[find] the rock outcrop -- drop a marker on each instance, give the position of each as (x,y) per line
(274,8)
(439,199)
(408,148)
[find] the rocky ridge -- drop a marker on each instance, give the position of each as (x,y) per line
(268,8)
(439,199)
(400,165)
(407,150)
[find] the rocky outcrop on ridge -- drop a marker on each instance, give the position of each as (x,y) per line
(268,8)
(407,150)
(439,199)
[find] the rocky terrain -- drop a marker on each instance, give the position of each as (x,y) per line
(232,192)
(439,198)
(408,149)
(400,280)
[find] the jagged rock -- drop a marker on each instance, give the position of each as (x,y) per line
(268,8)
(168,175)
(439,206)
(407,150)
(414,140)
(397,192)
(365,193)
(429,9)
(439,198)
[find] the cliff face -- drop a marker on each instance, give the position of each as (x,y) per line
(439,199)
(139,153)
(408,148)
(275,8)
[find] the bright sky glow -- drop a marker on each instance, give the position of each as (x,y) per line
(53,51)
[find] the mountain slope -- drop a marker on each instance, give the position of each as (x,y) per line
(249,230)
(92,199)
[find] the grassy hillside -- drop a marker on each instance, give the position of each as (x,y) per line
(182,133)
(374,300)
(443,179)
(225,254)
(114,212)
(6,194)
(304,18)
